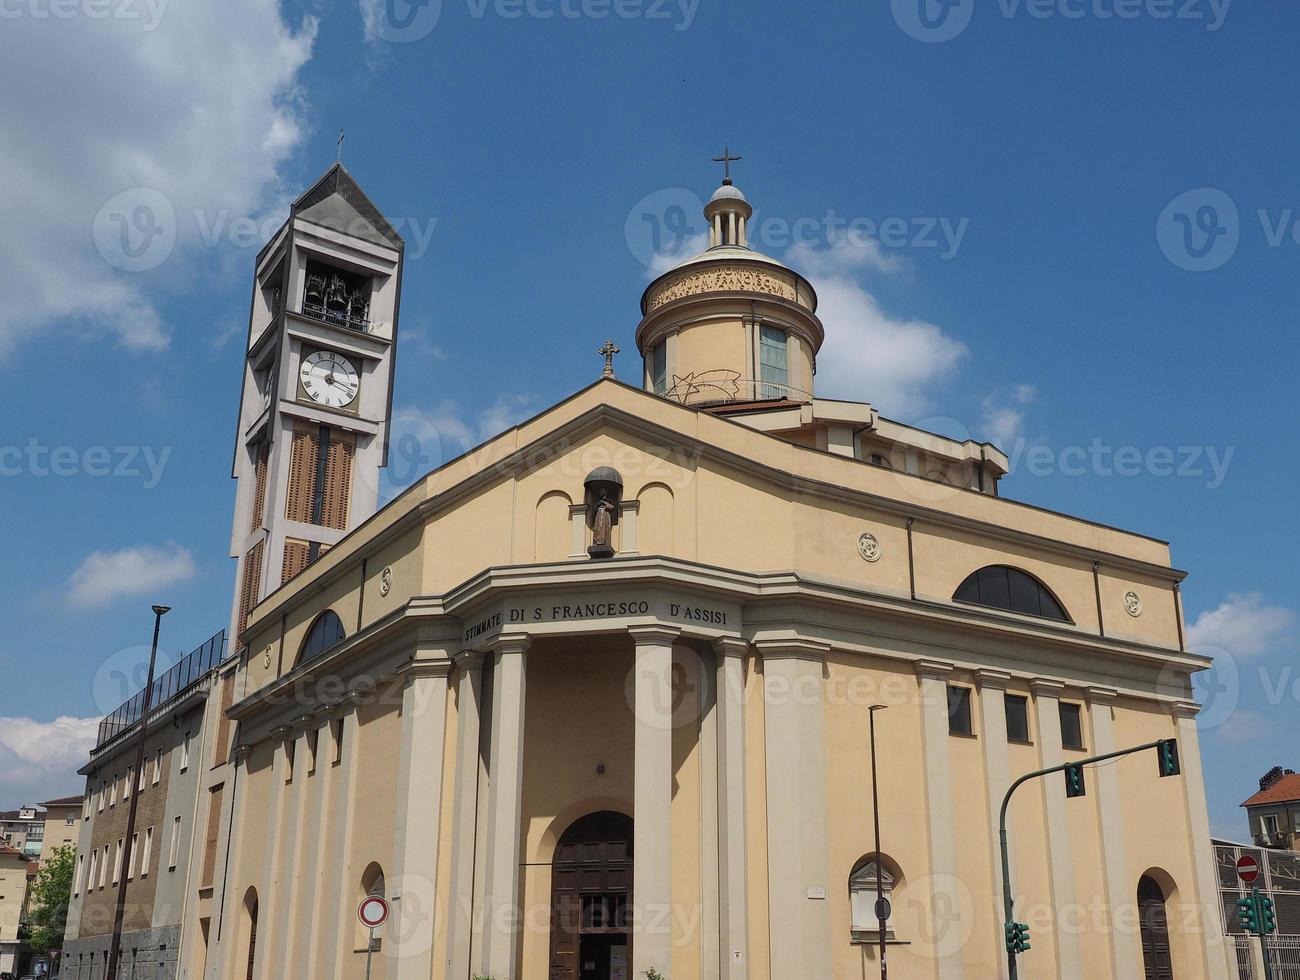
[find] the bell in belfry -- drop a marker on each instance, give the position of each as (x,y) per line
(336,298)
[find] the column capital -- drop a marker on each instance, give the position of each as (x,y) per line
(1045,688)
(933,670)
(731,646)
(282,734)
(1184,709)
(793,648)
(654,635)
(418,667)
(302,723)
(993,679)
(241,752)
(510,643)
(346,702)
(470,660)
(1102,695)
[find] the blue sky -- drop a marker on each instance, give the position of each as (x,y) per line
(1039,273)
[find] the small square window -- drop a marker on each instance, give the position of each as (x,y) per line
(1017,718)
(959,712)
(1071,726)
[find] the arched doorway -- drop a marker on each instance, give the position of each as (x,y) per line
(591,898)
(1156,957)
(250,926)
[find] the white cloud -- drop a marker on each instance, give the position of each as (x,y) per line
(1004,413)
(105,576)
(197,101)
(1244,626)
(689,247)
(870,355)
(39,760)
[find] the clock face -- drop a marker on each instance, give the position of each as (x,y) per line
(329,379)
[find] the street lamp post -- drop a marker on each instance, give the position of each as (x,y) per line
(882,915)
(115,948)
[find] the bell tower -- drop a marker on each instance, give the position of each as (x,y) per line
(318,384)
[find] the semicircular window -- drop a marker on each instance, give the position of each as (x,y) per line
(326,632)
(1002,587)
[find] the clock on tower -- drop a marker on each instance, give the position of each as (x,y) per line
(318,381)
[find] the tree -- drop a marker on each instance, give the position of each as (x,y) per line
(48,901)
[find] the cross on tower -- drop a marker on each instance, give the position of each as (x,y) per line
(726,160)
(609,350)
(341,138)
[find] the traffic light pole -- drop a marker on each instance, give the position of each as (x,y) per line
(1008,903)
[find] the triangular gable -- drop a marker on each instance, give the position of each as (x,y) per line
(337,202)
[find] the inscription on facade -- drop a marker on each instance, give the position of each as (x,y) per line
(578,610)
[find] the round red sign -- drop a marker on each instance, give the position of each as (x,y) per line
(1247,868)
(372,912)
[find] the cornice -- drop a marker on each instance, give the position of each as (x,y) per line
(1101,695)
(731,646)
(1184,709)
(933,670)
(792,648)
(1042,687)
(993,679)
(654,635)
(510,643)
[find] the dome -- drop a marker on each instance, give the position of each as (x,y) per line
(728,192)
(606,475)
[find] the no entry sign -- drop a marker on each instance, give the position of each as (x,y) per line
(372,912)
(1247,868)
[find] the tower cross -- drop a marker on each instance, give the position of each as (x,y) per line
(342,137)
(608,350)
(726,160)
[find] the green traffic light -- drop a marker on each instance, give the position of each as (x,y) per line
(1074,782)
(1167,754)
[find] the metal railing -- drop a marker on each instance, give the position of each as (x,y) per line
(336,317)
(1277,838)
(185,674)
(1283,954)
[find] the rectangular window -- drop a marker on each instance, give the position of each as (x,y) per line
(773,371)
(117,860)
(659,367)
(144,857)
(70,820)
(959,712)
(176,844)
(313,742)
(103,867)
(126,783)
(1017,718)
(185,752)
(135,856)
(112,793)
(1071,726)
(157,767)
(100,794)
(1268,823)
(144,775)
(94,863)
(81,870)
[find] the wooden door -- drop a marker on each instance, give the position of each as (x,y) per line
(1156,957)
(591,888)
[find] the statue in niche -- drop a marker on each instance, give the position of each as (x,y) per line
(604,487)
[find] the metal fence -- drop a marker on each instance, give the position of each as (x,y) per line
(1283,954)
(185,674)
(1279,879)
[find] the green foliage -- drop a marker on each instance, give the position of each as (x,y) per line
(48,900)
(653,974)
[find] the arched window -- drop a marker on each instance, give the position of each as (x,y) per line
(1002,587)
(871,877)
(250,927)
(324,633)
(372,886)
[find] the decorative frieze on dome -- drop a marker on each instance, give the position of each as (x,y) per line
(720,279)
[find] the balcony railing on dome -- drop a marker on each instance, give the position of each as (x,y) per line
(174,682)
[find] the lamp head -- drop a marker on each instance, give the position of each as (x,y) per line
(161,610)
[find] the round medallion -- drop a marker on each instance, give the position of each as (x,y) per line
(266,658)
(869,547)
(386,580)
(1133,604)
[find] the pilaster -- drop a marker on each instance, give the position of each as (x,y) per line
(733,911)
(1047,703)
(460,911)
(1125,950)
(993,738)
(798,910)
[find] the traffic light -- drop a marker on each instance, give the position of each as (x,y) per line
(1248,913)
(1167,752)
(1268,919)
(1074,784)
(1017,937)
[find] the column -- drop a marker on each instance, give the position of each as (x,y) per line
(339,943)
(1047,700)
(1198,821)
(469,684)
(271,891)
(798,912)
(1125,951)
(933,686)
(419,815)
(652,800)
(733,912)
(323,943)
(504,809)
(997,772)
(296,914)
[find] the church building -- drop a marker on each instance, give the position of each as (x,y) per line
(593,701)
